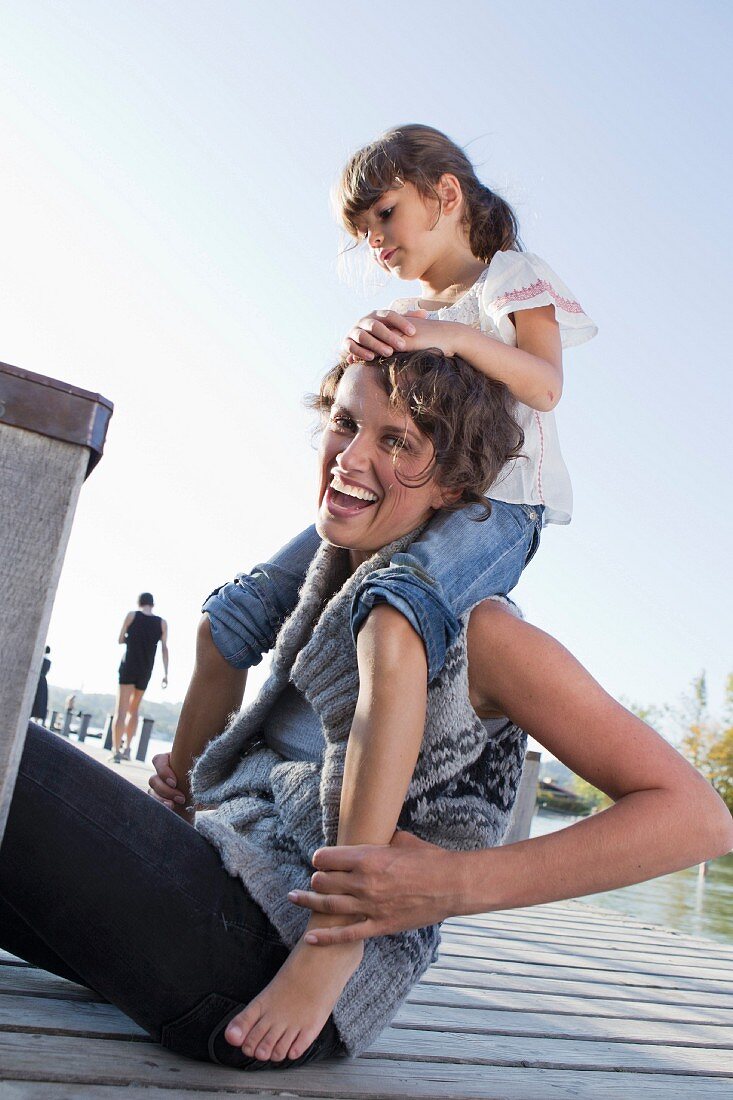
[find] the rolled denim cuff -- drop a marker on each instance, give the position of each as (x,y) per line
(408,588)
(246,614)
(243,620)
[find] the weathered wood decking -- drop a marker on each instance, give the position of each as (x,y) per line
(560,1001)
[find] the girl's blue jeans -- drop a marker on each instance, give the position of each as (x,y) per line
(456,563)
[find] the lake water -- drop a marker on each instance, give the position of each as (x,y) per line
(684,901)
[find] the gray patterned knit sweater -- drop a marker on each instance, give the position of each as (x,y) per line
(273,813)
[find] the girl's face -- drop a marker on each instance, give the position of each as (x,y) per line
(404,231)
(362,505)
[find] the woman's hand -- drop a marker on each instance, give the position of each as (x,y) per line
(381,332)
(385,889)
(164,786)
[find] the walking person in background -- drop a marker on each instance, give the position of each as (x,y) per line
(141,631)
(40,703)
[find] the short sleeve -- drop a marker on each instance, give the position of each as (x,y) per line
(521,280)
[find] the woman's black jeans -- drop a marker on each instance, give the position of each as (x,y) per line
(107,887)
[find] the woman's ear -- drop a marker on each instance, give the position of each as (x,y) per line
(450,192)
(445,497)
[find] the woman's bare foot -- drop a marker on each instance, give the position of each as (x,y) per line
(285,1018)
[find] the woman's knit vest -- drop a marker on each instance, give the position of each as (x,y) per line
(273,813)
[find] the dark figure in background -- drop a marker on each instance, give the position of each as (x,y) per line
(40,703)
(141,631)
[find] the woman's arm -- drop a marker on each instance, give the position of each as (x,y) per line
(665,815)
(215,691)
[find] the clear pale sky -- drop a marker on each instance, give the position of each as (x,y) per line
(166,239)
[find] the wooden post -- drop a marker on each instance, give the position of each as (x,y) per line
(51,436)
(54,717)
(66,728)
(526,800)
(108,732)
(83,726)
(142,748)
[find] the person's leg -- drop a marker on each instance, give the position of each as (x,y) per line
(457,562)
(384,742)
(133,707)
(132,901)
(472,559)
(124,692)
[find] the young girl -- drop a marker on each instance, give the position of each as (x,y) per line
(414,197)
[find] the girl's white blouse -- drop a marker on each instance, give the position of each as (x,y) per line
(514,281)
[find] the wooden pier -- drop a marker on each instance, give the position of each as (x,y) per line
(557,1002)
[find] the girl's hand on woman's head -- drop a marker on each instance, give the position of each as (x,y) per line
(164,786)
(381,332)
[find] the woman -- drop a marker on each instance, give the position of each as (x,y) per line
(180,944)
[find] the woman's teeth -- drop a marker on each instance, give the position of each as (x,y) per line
(351,490)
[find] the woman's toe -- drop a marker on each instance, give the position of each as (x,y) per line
(300,1044)
(263,1049)
(254,1036)
(282,1046)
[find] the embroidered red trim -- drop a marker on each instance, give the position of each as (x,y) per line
(526,292)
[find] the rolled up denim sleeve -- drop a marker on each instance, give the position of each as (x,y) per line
(405,586)
(246,614)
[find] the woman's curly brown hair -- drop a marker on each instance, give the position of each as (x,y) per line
(468,418)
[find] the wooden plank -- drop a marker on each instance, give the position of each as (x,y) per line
(521,925)
(544,1053)
(56,1058)
(553,971)
(579,917)
(655,945)
(26,981)
(556,1026)
(483,979)
(485,948)
(539,1000)
(42,1090)
(56,1017)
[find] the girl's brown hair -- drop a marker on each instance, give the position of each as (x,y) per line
(420,155)
(467,417)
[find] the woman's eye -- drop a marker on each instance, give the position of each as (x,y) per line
(384,214)
(342,423)
(397,442)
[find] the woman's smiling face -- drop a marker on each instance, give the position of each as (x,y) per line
(363,503)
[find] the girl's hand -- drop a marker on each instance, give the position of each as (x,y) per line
(384,889)
(164,786)
(431,333)
(381,332)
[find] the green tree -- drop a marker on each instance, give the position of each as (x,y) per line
(595,798)
(706,743)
